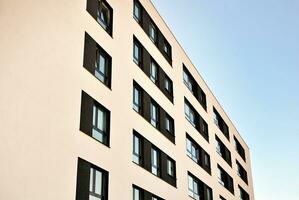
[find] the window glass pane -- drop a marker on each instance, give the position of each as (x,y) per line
(136,194)
(94,198)
(91,179)
(104,15)
(167,124)
(154,72)
(102,64)
(101,118)
(190,183)
(98,182)
(152,30)
(94,115)
(136,53)
(137,12)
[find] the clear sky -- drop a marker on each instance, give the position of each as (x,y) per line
(248,53)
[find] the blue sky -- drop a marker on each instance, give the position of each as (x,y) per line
(248,53)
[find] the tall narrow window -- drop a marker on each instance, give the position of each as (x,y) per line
(136,194)
(137,99)
(220,176)
(155,158)
(96,185)
(218,147)
(168,85)
(187,81)
(192,151)
(170,167)
(99,130)
(167,49)
(153,32)
(137,53)
(137,12)
(154,114)
(105,15)
(137,150)
(189,114)
(193,188)
(154,72)
(169,124)
(102,65)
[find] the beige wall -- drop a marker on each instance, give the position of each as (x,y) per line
(41,78)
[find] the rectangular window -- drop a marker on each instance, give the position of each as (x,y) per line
(167,48)
(242,172)
(219,122)
(154,114)
(137,11)
(168,85)
(223,151)
(137,157)
(239,148)
(136,194)
(170,167)
(99,130)
(102,67)
(187,81)
(92,182)
(137,53)
(192,151)
(193,188)
(97,61)
(153,32)
(243,195)
(105,15)
(190,114)
(169,126)
(155,160)
(154,72)
(225,179)
(137,99)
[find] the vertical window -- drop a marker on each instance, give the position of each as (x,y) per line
(215,118)
(220,176)
(136,194)
(193,188)
(137,150)
(137,101)
(96,185)
(218,147)
(153,32)
(154,114)
(155,158)
(189,114)
(154,72)
(170,167)
(137,53)
(102,65)
(168,85)
(187,81)
(207,160)
(105,15)
(167,48)
(192,151)
(137,12)
(169,124)
(99,130)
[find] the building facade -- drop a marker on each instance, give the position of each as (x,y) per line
(100,101)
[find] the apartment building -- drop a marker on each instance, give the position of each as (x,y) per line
(99,101)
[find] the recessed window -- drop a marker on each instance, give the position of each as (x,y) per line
(167,48)
(155,161)
(218,147)
(154,114)
(136,194)
(137,99)
(168,85)
(137,150)
(187,81)
(169,124)
(243,195)
(137,12)
(154,72)
(153,32)
(102,65)
(137,53)
(96,185)
(225,179)
(170,167)
(190,114)
(239,148)
(192,150)
(105,15)
(99,119)
(193,188)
